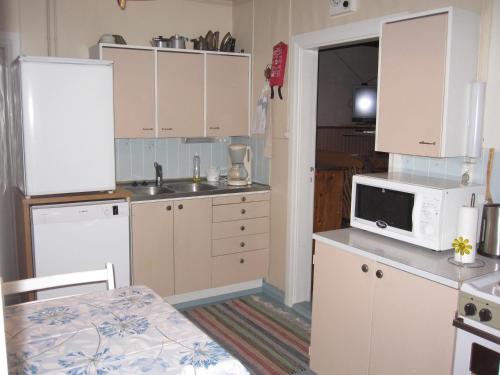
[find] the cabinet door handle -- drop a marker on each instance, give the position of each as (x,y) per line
(379,274)
(427,143)
(243,211)
(243,199)
(149,129)
(242,260)
(214,127)
(242,244)
(169,208)
(242,228)
(180,207)
(365,268)
(164,129)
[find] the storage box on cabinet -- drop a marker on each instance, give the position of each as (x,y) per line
(426,64)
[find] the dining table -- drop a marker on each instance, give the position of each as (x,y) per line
(127,330)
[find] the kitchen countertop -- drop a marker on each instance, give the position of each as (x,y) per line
(432,265)
(222,188)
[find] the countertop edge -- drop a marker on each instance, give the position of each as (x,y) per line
(415,271)
(139,200)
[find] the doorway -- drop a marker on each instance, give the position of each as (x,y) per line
(302,145)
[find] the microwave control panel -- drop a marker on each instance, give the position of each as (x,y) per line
(429,214)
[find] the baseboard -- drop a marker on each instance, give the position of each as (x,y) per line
(273,292)
(212,295)
(304,309)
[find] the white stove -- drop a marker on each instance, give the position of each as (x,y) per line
(477,349)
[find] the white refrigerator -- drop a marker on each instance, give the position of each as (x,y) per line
(64,125)
(81,237)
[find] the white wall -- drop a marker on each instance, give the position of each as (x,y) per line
(492,108)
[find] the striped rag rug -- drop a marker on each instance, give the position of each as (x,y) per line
(267,337)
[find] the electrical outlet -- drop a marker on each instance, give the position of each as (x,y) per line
(342,6)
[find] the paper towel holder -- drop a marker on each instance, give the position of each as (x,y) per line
(475,119)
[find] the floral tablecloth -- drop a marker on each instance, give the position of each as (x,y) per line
(123,331)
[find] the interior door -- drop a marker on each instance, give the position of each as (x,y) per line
(412,332)
(228,92)
(134,92)
(181,94)
(341,313)
(411,86)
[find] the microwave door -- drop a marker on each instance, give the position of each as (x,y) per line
(385,207)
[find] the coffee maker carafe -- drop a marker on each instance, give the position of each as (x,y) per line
(240,169)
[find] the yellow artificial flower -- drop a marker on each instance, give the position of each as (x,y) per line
(462,245)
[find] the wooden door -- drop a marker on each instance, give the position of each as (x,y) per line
(341,312)
(411,86)
(153,246)
(228,93)
(328,198)
(181,94)
(192,244)
(412,325)
(134,92)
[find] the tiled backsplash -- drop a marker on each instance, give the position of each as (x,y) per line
(449,168)
(135,157)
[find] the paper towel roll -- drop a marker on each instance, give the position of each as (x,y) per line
(467,229)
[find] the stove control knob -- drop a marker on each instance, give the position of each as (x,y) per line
(470,309)
(485,315)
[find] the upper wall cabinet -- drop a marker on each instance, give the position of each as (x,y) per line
(134,92)
(181,95)
(163,92)
(426,64)
(228,95)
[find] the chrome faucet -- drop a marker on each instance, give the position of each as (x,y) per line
(159,174)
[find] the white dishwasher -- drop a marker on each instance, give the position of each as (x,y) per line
(81,237)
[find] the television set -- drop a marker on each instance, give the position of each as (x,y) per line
(364,104)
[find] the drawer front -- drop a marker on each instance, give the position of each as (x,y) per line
(240,211)
(240,244)
(237,268)
(242,198)
(235,228)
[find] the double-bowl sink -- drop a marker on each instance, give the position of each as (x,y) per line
(171,188)
(181,188)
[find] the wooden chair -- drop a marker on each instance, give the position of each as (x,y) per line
(56,281)
(4,369)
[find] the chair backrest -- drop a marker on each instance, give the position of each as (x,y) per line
(3,347)
(57,281)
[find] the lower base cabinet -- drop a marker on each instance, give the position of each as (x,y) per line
(182,246)
(369,318)
(153,246)
(192,239)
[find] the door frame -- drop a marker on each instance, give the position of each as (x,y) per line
(302,145)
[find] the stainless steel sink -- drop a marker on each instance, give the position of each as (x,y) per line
(150,190)
(189,187)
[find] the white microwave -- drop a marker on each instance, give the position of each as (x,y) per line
(415,209)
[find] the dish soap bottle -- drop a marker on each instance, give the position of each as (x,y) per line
(196,169)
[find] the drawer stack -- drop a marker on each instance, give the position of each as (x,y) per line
(240,238)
